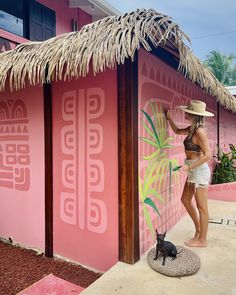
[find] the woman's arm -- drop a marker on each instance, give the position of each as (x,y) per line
(176,130)
(200,138)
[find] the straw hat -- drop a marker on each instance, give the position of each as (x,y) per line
(196,107)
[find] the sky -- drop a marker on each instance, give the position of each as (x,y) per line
(210,24)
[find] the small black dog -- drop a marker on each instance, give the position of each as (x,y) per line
(165,247)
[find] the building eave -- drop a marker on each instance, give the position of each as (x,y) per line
(232,90)
(96,8)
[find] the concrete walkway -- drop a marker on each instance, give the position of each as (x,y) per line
(217,275)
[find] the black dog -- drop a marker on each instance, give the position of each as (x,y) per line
(165,247)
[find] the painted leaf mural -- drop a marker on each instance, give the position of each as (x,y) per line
(160,169)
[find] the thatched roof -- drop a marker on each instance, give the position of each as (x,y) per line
(105,43)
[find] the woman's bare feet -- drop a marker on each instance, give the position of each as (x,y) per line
(196,236)
(196,243)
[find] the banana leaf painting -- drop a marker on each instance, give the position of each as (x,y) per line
(159,169)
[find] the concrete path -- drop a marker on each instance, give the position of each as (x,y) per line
(52,285)
(217,275)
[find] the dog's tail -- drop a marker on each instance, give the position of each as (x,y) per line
(180,251)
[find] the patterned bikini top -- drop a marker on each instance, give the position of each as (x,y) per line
(189,145)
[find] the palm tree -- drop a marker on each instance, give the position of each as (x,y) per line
(222,66)
(233,76)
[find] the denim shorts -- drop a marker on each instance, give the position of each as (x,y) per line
(200,175)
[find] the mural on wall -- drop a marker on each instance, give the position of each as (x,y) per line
(85,171)
(92,212)
(22,169)
(161,84)
(14,146)
(158,173)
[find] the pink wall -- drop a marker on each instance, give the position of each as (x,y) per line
(64,15)
(84,18)
(22,167)
(86,170)
(227,128)
(223,191)
(160,83)
(226,191)
(9,41)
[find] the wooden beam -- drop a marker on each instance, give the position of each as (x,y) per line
(166,54)
(47,91)
(128,161)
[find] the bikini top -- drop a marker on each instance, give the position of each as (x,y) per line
(189,145)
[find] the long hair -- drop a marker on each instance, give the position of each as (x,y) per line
(197,121)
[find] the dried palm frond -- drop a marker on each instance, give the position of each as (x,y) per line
(104,44)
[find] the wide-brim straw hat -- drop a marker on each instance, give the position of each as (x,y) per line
(196,107)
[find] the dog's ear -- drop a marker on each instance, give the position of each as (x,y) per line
(157,232)
(164,234)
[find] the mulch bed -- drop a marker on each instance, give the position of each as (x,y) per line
(20,268)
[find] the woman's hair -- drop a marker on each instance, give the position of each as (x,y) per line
(198,121)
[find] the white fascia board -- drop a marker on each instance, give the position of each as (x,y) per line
(105,7)
(231,89)
(78,3)
(102,5)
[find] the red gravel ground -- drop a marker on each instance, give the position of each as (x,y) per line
(20,268)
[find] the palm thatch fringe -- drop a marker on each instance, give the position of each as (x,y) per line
(104,44)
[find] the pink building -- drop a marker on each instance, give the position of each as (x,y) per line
(39,20)
(79,162)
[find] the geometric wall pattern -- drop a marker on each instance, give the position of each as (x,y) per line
(85,170)
(22,167)
(83,174)
(14,145)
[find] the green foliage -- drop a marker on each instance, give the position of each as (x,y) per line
(177,168)
(222,67)
(225,169)
(233,76)
(159,164)
(152,204)
(158,137)
(153,129)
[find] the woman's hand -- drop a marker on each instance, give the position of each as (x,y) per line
(186,168)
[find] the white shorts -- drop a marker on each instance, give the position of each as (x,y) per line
(200,175)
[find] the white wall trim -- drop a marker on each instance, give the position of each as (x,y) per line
(231,89)
(102,5)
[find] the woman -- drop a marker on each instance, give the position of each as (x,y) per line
(198,153)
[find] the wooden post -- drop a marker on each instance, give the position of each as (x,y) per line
(128,161)
(47,91)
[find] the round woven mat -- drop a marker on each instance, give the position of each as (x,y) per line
(186,263)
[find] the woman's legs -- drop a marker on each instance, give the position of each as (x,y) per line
(186,199)
(201,199)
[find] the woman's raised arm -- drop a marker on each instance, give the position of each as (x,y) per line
(177,130)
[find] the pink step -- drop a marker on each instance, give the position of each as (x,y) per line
(52,285)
